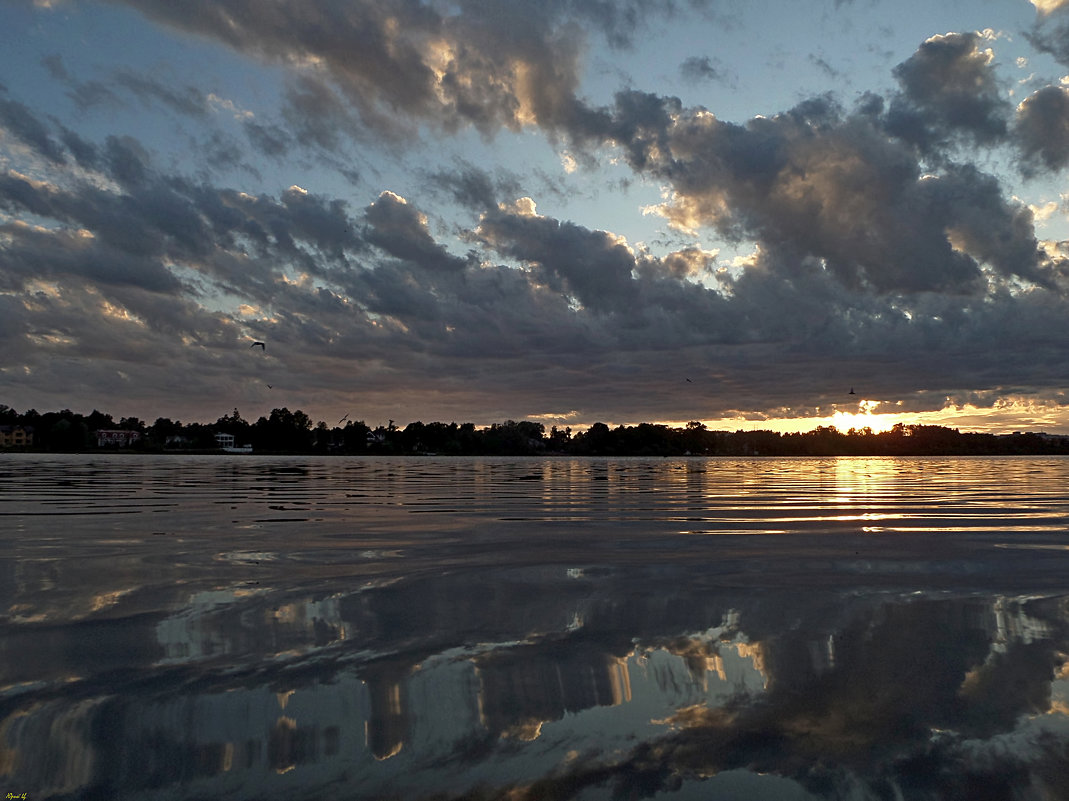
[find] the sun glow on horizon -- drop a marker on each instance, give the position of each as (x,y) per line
(865,417)
(1004,417)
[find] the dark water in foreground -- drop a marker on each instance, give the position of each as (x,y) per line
(268,628)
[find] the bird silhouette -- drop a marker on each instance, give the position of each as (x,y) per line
(344,418)
(851,392)
(263,347)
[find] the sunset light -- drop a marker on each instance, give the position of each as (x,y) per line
(656,211)
(511,400)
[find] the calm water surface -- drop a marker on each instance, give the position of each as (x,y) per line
(291,628)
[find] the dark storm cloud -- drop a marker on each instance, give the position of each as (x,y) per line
(322,222)
(156,220)
(13,322)
(1042,130)
(641,124)
(33,253)
(593,266)
(300,229)
(373,52)
(845,195)
(19,121)
(583,300)
(400,230)
(84,152)
(950,84)
(127,160)
(818,182)
(489,65)
(106,216)
(987,227)
(870,248)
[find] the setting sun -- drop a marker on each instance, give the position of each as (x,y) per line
(864,418)
(844,421)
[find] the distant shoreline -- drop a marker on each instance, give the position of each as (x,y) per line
(287,432)
(142,453)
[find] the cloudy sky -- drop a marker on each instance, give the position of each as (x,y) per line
(570,211)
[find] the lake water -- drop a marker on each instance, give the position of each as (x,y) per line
(433,628)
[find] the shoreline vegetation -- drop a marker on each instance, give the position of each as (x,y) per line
(286,432)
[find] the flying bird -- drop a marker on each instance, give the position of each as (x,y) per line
(263,347)
(688,381)
(344,418)
(851,392)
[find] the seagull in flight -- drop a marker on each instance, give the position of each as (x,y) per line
(344,418)
(263,347)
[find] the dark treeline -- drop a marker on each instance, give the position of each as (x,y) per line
(284,431)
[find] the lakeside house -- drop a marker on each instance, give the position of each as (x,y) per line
(16,436)
(226,442)
(116,438)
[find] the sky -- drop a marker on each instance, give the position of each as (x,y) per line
(570,211)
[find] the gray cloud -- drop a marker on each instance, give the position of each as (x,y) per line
(84,152)
(127,160)
(271,140)
(584,305)
(812,182)
(400,230)
(950,86)
(316,114)
(1050,34)
(18,120)
(870,248)
(591,266)
(472,187)
(32,254)
(822,64)
(1042,130)
(702,68)
(84,94)
(505,64)
(189,100)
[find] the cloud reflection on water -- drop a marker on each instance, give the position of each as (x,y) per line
(543,660)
